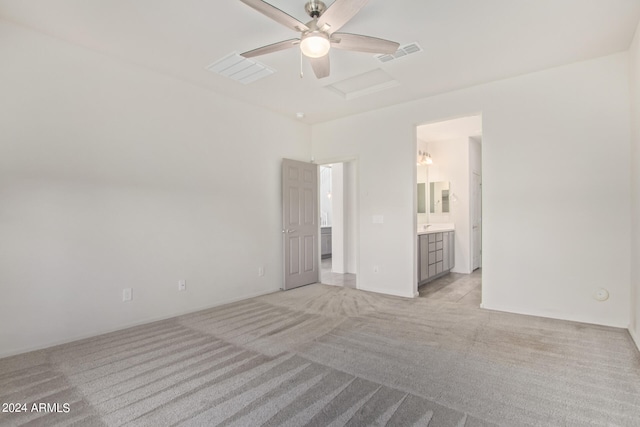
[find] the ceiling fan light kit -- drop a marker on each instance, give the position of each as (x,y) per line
(319,35)
(315,44)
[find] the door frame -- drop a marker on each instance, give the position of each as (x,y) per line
(356,197)
(414,145)
(478,209)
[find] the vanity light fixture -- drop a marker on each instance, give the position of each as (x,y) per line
(424,158)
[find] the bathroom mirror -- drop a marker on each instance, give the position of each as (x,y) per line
(439,197)
(422,197)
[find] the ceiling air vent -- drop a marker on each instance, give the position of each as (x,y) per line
(405,50)
(240,69)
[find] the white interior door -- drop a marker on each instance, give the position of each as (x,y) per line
(300,229)
(476,221)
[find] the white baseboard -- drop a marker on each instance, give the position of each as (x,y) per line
(131,325)
(635,337)
(385,292)
(551,315)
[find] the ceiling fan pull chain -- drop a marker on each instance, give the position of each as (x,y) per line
(301,73)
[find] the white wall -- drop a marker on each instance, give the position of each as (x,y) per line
(555,154)
(475,167)
(635,186)
(351,216)
(422,177)
(338,237)
(326,206)
(386,187)
(114,177)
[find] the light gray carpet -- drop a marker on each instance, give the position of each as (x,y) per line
(323,355)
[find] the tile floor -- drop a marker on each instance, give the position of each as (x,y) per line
(327,277)
(455,287)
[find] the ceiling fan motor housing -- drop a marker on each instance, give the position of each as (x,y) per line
(315,8)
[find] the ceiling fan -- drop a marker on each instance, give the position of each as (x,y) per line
(319,35)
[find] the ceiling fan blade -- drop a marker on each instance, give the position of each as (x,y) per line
(275,47)
(339,13)
(276,14)
(320,66)
(360,43)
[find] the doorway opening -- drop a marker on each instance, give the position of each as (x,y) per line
(449,210)
(337,194)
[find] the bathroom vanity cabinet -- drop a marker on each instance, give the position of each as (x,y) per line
(436,255)
(325,242)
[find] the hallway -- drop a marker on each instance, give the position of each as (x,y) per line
(327,277)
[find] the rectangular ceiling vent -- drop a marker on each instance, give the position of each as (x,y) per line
(405,50)
(240,69)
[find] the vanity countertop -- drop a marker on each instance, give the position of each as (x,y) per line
(435,228)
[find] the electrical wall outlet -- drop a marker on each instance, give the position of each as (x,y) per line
(127,294)
(182,285)
(260,271)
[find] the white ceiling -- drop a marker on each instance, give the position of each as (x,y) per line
(465,42)
(450,129)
